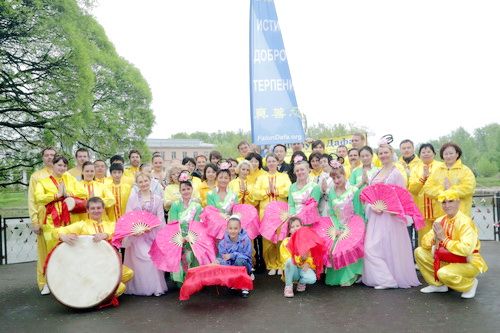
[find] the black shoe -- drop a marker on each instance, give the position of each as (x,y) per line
(245,293)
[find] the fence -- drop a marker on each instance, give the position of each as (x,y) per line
(18,241)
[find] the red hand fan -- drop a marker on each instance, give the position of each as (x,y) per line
(305,240)
(214,275)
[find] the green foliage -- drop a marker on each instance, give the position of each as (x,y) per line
(63,84)
(485,167)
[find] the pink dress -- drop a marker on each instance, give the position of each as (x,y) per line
(147,280)
(388,260)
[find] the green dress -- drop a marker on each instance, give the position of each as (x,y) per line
(224,206)
(341,210)
(297,198)
(356,178)
(184,215)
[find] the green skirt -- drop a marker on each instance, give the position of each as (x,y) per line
(191,261)
(345,276)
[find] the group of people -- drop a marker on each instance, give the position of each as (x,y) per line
(442,191)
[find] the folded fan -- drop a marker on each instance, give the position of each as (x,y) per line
(214,275)
(309,213)
(133,223)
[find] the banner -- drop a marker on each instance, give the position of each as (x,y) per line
(275,116)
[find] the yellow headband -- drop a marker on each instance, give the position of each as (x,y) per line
(448,195)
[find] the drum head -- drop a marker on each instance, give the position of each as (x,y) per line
(85,274)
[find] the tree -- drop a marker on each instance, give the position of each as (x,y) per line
(485,167)
(63,84)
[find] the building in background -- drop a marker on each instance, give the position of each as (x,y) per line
(176,149)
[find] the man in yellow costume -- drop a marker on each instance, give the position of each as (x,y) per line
(37,210)
(449,254)
(81,156)
(121,192)
(135,162)
(101,229)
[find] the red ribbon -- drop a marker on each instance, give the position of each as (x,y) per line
(113,303)
(443,254)
(58,220)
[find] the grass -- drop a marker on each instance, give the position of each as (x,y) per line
(13,203)
(488,181)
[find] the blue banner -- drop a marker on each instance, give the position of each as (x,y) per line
(274,112)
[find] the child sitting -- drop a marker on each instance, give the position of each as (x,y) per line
(235,249)
(303,273)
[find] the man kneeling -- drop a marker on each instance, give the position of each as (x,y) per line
(101,229)
(449,253)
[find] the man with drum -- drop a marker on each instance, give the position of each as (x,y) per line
(35,211)
(101,229)
(448,256)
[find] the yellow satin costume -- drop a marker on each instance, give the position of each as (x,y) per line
(45,193)
(430,208)
(243,197)
(35,211)
(261,194)
(461,239)
(95,189)
(120,192)
(91,227)
(462,181)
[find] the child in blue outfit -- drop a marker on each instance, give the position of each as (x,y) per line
(235,249)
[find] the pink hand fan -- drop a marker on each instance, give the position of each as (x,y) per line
(215,221)
(309,213)
(202,244)
(166,249)
(133,223)
(274,224)
(383,197)
(249,219)
(409,206)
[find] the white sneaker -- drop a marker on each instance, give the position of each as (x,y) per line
(434,289)
(385,287)
(472,292)
(280,272)
(252,276)
(45,290)
(272,272)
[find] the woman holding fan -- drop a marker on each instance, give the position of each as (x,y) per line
(147,280)
(388,261)
(185,210)
(270,187)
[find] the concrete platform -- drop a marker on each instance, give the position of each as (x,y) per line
(319,309)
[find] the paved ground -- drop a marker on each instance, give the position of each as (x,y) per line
(320,309)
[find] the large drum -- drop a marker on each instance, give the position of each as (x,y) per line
(85,274)
(76,205)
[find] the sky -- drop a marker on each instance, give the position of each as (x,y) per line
(415,69)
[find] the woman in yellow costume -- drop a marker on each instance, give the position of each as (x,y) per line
(240,185)
(449,253)
(452,175)
(171,193)
(256,171)
(209,182)
(272,186)
(420,173)
(51,192)
(98,226)
(93,189)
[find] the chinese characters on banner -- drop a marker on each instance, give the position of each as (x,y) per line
(274,112)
